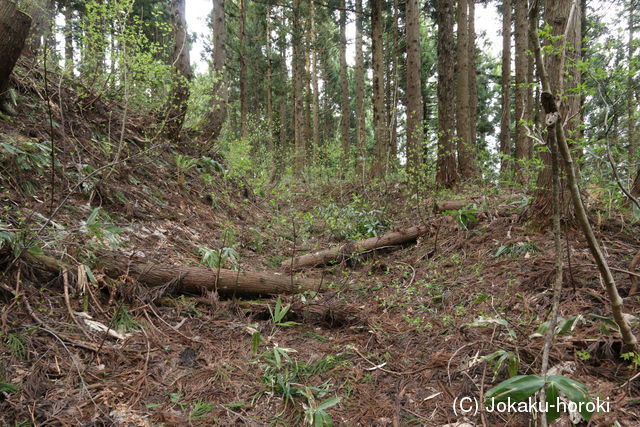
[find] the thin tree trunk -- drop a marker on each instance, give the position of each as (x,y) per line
(244,96)
(181,71)
(68,38)
(392,84)
(218,113)
(380,160)
(631,103)
(344,92)
(415,162)
(298,107)
(269,81)
(522,68)
(463,129)
(505,120)
(473,86)
(315,108)
(447,173)
(359,76)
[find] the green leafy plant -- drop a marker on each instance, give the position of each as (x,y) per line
(279,312)
(502,359)
(200,410)
(519,388)
(16,344)
(100,226)
(123,322)
(563,326)
(516,250)
(183,164)
(316,414)
(465,216)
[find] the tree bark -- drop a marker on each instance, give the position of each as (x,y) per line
(182,73)
(505,119)
(244,95)
(447,173)
(315,108)
(344,92)
(564,76)
(564,13)
(392,238)
(466,159)
(522,69)
(381,153)
(14,29)
(68,38)
(473,87)
(218,113)
(359,76)
(415,138)
(631,103)
(298,107)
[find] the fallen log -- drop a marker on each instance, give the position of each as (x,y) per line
(225,282)
(346,251)
(454,205)
(191,279)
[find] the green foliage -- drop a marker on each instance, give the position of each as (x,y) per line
(518,249)
(563,326)
(101,228)
(279,312)
(352,222)
(17,345)
(519,388)
(218,258)
(465,216)
(183,164)
(200,410)
(502,359)
(123,322)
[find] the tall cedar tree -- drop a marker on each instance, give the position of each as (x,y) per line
(381,152)
(505,118)
(466,161)
(344,90)
(414,93)
(182,71)
(219,94)
(359,76)
(564,77)
(522,70)
(447,172)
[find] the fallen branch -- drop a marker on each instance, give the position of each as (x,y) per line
(346,251)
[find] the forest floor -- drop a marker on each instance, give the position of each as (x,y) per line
(402,334)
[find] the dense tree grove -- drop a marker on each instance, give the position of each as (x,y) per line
(344,87)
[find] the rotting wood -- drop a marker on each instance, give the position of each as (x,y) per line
(453,205)
(325,256)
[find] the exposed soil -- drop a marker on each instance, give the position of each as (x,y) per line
(391,335)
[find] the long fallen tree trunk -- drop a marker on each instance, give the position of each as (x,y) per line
(192,279)
(346,251)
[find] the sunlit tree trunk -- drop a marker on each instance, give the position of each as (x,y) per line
(505,118)
(414,94)
(522,71)
(447,174)
(359,76)
(381,153)
(466,161)
(181,71)
(218,112)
